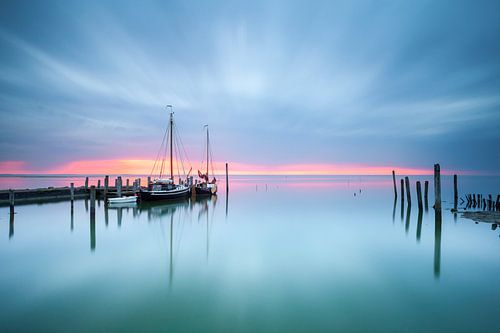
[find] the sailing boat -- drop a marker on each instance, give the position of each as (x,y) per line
(162,188)
(205,186)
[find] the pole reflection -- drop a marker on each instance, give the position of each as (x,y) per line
(408,213)
(419,225)
(11,226)
(393,210)
(437,243)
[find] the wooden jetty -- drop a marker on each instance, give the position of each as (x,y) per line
(38,195)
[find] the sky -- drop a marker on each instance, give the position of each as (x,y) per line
(285,86)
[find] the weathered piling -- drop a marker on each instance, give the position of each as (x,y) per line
(106,185)
(98,183)
(149,181)
(419,196)
(455,192)
(426,190)
(86,183)
(92,201)
(11,201)
(408,194)
(227,179)
(402,192)
(437,186)
(498,202)
(128,184)
(119,186)
(490,202)
(394,183)
(72,192)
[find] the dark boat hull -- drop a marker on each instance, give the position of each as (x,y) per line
(164,196)
(203,191)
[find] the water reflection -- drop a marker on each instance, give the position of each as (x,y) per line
(92,234)
(419,225)
(402,210)
(393,209)
(11,226)
(408,213)
(437,243)
(72,225)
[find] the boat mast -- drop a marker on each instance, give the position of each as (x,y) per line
(171,142)
(208,142)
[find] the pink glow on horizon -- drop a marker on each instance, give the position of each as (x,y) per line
(143,167)
(7,167)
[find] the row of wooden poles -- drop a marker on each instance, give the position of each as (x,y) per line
(473,200)
(437,189)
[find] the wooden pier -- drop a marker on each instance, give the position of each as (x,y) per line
(40,195)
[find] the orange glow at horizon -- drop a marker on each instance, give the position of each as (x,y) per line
(143,167)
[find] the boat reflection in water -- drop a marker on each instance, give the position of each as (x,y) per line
(177,213)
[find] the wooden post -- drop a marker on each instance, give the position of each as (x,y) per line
(402,192)
(92,201)
(437,186)
(394,183)
(11,201)
(119,186)
(408,194)
(227,179)
(498,202)
(455,191)
(106,185)
(86,183)
(490,202)
(98,184)
(419,196)
(128,184)
(72,192)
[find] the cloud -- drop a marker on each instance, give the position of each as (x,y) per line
(278,82)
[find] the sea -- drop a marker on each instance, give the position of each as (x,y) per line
(273,254)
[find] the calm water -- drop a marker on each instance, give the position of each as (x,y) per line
(302,254)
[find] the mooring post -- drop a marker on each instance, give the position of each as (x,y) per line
(98,184)
(498,202)
(419,196)
(149,182)
(394,183)
(455,191)
(408,194)
(128,184)
(119,186)
(106,184)
(437,186)
(490,202)
(92,201)
(227,179)
(11,201)
(86,183)
(72,192)
(402,192)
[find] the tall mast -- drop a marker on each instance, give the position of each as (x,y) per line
(208,142)
(171,142)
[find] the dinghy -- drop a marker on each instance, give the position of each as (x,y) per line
(122,200)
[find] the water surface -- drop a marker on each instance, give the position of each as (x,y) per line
(291,254)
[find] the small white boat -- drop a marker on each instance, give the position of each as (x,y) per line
(122,200)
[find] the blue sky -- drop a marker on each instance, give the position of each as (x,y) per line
(405,83)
